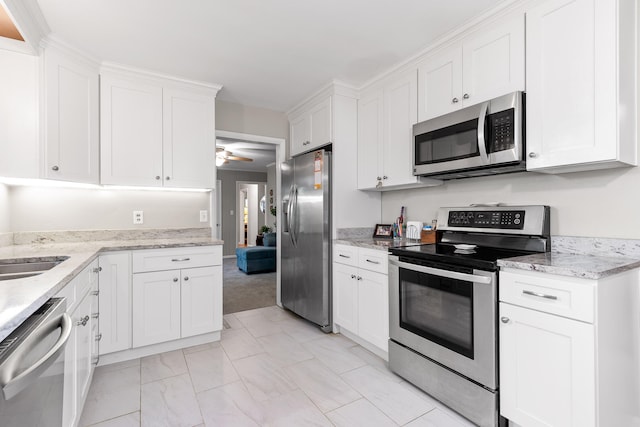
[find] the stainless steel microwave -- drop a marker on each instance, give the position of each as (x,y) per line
(483,139)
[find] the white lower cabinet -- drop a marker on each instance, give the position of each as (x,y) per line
(172,302)
(81,350)
(566,345)
(361,294)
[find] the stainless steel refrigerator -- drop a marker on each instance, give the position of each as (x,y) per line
(306,237)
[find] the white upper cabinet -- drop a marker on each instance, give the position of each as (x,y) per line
(483,65)
(581,85)
(310,126)
(386,115)
(156,133)
(131,132)
(70,149)
(189,139)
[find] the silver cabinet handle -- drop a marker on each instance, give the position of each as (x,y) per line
(175,279)
(55,168)
(95,293)
(539,295)
(186,278)
(442,273)
(83,321)
(344,256)
(379,178)
(180,259)
(504,319)
(533,155)
(157,177)
(454,100)
(385,177)
(31,374)
(353,276)
(95,315)
(98,337)
(465,96)
(373,262)
(97,269)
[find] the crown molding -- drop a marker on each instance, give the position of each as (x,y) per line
(55,42)
(134,72)
(29,20)
(334,87)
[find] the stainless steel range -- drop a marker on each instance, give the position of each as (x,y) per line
(444,303)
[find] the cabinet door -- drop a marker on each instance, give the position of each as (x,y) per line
(71,137)
(189,139)
(345,287)
(320,122)
(84,346)
(300,134)
(115,302)
(373,308)
(547,369)
(400,114)
(493,62)
(440,83)
(156,307)
(130,132)
(370,134)
(201,300)
(572,84)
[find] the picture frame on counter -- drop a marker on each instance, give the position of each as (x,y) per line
(383,231)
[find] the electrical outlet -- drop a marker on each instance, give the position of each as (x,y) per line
(204,216)
(138,217)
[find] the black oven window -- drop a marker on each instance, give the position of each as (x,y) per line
(438,309)
(459,141)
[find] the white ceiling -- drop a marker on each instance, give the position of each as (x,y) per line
(266,53)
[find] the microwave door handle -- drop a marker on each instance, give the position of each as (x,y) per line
(442,273)
(482,145)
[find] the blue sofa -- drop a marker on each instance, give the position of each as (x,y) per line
(256,259)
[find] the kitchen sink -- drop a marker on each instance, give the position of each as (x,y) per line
(21,268)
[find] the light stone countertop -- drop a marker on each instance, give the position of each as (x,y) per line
(379,244)
(20,298)
(572,265)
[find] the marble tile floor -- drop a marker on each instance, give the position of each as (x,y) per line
(270,368)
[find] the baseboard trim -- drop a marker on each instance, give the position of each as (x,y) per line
(228,256)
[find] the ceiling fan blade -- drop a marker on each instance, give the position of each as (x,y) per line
(242,159)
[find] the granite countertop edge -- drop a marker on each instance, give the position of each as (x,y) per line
(20,298)
(592,267)
(378,244)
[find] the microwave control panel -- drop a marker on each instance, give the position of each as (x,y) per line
(500,128)
(512,220)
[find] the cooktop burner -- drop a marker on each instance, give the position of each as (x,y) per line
(480,257)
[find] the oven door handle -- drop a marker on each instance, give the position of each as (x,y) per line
(442,273)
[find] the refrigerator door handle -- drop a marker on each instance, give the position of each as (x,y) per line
(289,206)
(294,217)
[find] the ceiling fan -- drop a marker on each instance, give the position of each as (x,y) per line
(223,156)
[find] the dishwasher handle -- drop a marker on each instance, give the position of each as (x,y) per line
(29,376)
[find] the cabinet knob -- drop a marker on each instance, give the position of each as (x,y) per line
(95,293)
(379,178)
(97,269)
(533,155)
(465,96)
(168,178)
(353,276)
(95,315)
(385,177)
(175,279)
(186,278)
(83,321)
(158,177)
(504,319)
(98,337)
(55,168)
(454,100)
(359,278)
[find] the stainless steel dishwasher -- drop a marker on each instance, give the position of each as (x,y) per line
(32,368)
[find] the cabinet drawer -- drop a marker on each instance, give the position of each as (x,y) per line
(373,260)
(79,286)
(565,296)
(176,258)
(345,254)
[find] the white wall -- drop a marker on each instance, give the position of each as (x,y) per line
(257,121)
(42,208)
(5,218)
(595,204)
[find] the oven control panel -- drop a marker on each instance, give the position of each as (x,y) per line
(501,219)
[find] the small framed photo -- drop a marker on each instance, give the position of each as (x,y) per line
(383,231)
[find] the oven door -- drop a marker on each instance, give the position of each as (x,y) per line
(446,313)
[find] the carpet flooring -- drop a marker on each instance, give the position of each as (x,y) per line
(246,291)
